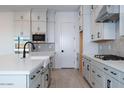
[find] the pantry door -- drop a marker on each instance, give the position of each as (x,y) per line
(66,52)
(67,47)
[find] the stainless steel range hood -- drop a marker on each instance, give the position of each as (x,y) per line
(108,13)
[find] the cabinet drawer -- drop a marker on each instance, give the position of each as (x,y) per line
(114,73)
(12,81)
(105,69)
(121,77)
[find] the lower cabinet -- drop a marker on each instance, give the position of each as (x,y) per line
(87,69)
(111,82)
(99,75)
(12,81)
(39,78)
(97,78)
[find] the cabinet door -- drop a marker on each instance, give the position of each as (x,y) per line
(93,76)
(38,16)
(35,27)
(100,79)
(18,28)
(121,85)
(22,28)
(111,82)
(22,15)
(38,27)
(121,20)
(12,81)
(42,26)
(26,28)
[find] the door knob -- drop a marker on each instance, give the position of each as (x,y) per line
(62,50)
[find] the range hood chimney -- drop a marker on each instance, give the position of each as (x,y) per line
(108,13)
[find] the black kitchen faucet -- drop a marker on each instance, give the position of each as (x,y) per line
(24,52)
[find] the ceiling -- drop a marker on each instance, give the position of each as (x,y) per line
(50,7)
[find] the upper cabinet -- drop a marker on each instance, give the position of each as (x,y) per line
(121,20)
(101,31)
(38,14)
(39,20)
(81,18)
(22,23)
(22,15)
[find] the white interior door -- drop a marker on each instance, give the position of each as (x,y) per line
(67,45)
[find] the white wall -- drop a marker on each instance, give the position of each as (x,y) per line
(6,33)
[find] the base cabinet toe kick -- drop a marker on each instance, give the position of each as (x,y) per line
(99,75)
(39,78)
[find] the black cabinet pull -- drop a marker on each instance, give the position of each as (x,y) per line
(38,86)
(21,17)
(46,77)
(38,17)
(33,77)
(88,67)
(106,69)
(93,83)
(38,71)
(113,73)
(93,71)
(99,76)
(91,36)
(108,83)
(98,35)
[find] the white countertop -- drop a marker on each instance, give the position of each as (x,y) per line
(11,64)
(45,53)
(119,65)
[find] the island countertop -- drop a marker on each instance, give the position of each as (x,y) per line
(12,64)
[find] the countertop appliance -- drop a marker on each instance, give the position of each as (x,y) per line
(109,57)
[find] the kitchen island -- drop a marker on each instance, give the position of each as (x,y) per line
(23,73)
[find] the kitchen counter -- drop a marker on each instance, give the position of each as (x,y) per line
(11,64)
(45,53)
(118,65)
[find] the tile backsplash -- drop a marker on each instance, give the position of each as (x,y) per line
(115,47)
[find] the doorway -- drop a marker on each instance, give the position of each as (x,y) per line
(65,40)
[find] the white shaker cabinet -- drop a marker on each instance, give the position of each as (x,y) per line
(39,27)
(22,28)
(38,15)
(12,81)
(39,20)
(121,16)
(22,15)
(81,18)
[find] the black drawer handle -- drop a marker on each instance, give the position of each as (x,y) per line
(93,83)
(38,86)
(113,73)
(105,69)
(38,71)
(33,77)
(99,76)
(93,71)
